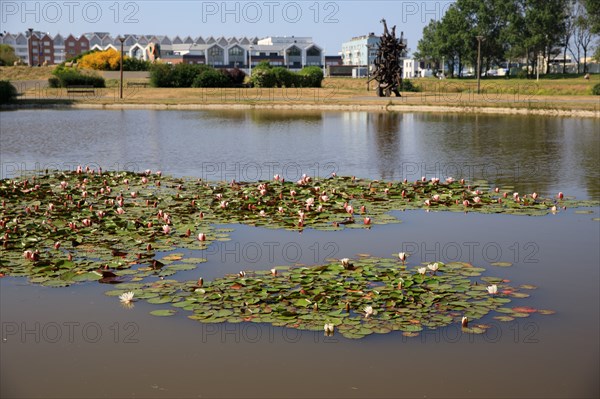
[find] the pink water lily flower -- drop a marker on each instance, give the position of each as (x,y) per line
(166,229)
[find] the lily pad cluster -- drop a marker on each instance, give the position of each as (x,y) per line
(358,298)
(60,227)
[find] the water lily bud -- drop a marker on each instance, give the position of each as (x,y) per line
(560,195)
(149,247)
(57,245)
(200,282)
(188,233)
(367,221)
(465,321)
(201,237)
(274,272)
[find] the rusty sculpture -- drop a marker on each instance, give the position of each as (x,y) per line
(387,65)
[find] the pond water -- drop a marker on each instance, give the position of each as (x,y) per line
(76,342)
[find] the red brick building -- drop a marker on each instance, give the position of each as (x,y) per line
(74,46)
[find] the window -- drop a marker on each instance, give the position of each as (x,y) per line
(71,44)
(236,51)
(313,52)
(46,43)
(35,42)
(47,51)
(83,45)
(294,51)
(215,52)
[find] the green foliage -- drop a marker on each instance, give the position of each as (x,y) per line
(408,86)
(65,77)
(510,29)
(135,64)
(161,75)
(8,92)
(184,74)
(7,55)
(596,90)
(263,77)
(312,76)
(211,78)
(282,77)
(193,75)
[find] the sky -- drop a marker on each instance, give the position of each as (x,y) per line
(329,23)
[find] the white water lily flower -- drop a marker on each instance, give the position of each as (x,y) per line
(402,256)
(368,310)
(126,297)
(328,328)
(345,262)
(433,267)
(492,289)
(422,270)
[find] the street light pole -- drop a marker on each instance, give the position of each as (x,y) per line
(250,59)
(368,68)
(121,39)
(479,39)
(31,46)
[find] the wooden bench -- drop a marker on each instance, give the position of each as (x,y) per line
(137,84)
(81,89)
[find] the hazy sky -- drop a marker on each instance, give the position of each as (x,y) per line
(329,22)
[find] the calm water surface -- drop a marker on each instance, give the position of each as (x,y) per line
(76,342)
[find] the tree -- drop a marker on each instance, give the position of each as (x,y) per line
(544,28)
(7,55)
(593,11)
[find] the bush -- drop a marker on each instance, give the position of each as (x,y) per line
(134,64)
(596,90)
(312,76)
(71,77)
(212,78)
(54,82)
(407,85)
(161,75)
(284,77)
(184,74)
(236,76)
(263,77)
(8,92)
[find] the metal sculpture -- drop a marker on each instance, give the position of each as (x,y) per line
(388,67)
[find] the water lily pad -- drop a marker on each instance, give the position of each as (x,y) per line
(163,312)
(501,264)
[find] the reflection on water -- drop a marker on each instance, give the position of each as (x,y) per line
(535,153)
(539,356)
(86,345)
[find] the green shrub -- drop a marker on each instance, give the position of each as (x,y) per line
(72,77)
(284,77)
(596,90)
(161,75)
(184,74)
(212,78)
(263,77)
(312,76)
(134,64)
(407,85)
(180,75)
(8,92)
(54,82)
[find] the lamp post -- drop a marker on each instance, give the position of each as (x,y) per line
(121,39)
(250,59)
(479,39)
(369,47)
(30,46)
